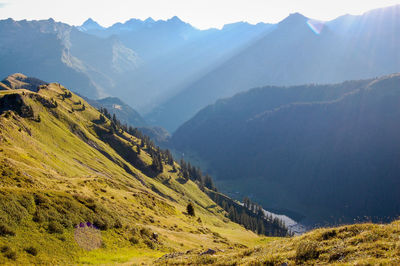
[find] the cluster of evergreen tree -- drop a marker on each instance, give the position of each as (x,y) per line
(250,215)
(158,155)
(194,173)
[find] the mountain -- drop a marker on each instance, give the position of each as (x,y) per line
(90,25)
(129,116)
(350,47)
(173,54)
(78,189)
(142,62)
(326,152)
(168,70)
(125,113)
(20,81)
(58,52)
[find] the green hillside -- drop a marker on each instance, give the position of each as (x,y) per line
(60,168)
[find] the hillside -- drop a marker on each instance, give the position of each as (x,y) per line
(125,113)
(77,189)
(129,116)
(325,153)
(360,244)
(347,48)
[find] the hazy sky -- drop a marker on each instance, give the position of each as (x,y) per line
(200,13)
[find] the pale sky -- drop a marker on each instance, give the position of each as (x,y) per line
(200,13)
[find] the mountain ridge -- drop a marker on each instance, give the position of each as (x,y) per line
(293,53)
(296,139)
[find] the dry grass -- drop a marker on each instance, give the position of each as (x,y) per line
(360,244)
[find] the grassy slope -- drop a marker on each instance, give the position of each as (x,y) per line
(58,171)
(360,244)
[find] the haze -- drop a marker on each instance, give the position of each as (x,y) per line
(201,14)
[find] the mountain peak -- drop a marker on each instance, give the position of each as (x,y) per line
(149,20)
(175,19)
(294,19)
(90,24)
(20,81)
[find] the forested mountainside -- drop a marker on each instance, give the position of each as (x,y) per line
(326,152)
(298,50)
(78,186)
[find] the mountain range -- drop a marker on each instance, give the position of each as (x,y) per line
(347,48)
(168,70)
(142,62)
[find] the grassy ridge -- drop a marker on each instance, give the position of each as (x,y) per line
(360,244)
(56,172)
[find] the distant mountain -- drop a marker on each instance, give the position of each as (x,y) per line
(327,152)
(20,81)
(125,113)
(142,62)
(173,54)
(350,47)
(168,70)
(90,25)
(56,51)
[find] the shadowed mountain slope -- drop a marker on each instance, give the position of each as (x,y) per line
(327,152)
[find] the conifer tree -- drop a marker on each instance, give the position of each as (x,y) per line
(190,209)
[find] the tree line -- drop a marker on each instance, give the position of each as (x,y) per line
(250,215)
(194,173)
(159,156)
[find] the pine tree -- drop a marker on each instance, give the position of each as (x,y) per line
(190,209)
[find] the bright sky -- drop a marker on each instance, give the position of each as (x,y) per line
(200,13)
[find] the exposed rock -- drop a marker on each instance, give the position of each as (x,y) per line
(209,252)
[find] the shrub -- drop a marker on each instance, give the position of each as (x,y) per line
(146,232)
(40,199)
(12,255)
(397,249)
(134,240)
(150,243)
(328,234)
(307,250)
(4,249)
(55,227)
(38,216)
(6,231)
(31,250)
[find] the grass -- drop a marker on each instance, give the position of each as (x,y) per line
(57,173)
(360,244)
(123,255)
